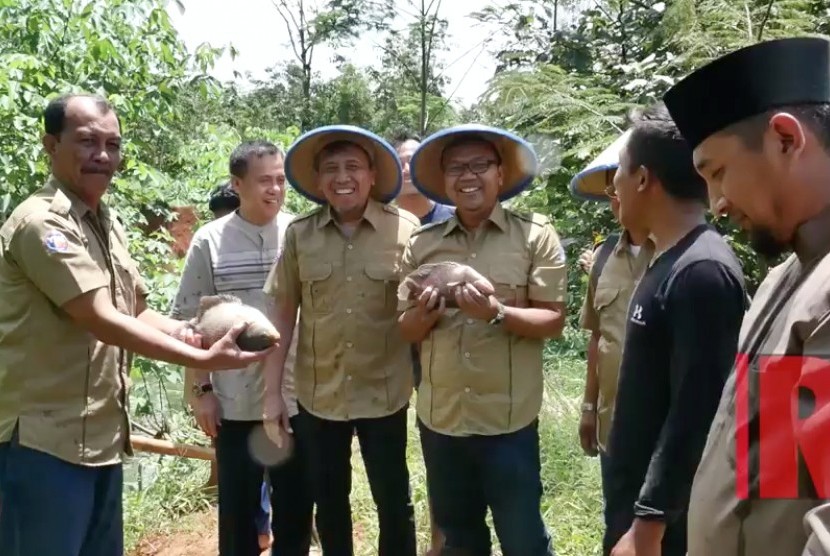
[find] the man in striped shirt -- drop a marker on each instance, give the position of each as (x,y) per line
(232,255)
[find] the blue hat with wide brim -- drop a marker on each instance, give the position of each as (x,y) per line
(519,162)
(300,159)
(590,183)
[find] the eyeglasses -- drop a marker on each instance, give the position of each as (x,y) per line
(476,167)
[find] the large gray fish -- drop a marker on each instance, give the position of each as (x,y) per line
(219,313)
(444,277)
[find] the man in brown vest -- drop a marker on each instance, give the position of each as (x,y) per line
(762,142)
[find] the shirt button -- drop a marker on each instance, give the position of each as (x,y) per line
(472,255)
(350,246)
(469,321)
(348,278)
(467,354)
(349,344)
(467,389)
(349,378)
(349,311)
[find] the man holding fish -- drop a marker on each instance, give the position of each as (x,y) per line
(67,278)
(226,267)
(353,371)
(482,383)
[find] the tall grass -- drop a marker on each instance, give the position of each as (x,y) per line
(572,503)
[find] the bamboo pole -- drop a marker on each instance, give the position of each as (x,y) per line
(165,447)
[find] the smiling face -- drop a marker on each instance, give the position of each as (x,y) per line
(345,177)
(405,151)
(86,153)
(751,183)
(262,189)
(472,176)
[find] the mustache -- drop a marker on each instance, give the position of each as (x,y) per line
(96,170)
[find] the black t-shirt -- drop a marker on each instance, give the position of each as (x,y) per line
(680,344)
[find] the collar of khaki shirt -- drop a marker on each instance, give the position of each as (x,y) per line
(66,200)
(497,217)
(371,214)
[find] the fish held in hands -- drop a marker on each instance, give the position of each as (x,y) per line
(219,313)
(443,277)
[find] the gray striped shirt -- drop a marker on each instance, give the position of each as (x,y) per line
(232,256)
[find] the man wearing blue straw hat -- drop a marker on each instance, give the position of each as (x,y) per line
(618,264)
(353,371)
(482,382)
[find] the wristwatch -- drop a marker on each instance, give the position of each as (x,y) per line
(499,318)
(200,390)
(588,407)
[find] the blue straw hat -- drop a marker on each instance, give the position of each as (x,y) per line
(518,160)
(590,183)
(300,161)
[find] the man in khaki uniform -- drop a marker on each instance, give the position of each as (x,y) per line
(618,264)
(73,310)
(764,150)
(353,371)
(482,384)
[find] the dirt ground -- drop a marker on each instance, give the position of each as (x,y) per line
(197,537)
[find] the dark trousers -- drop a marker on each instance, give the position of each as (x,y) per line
(49,507)
(619,514)
(383,447)
(240,495)
(466,475)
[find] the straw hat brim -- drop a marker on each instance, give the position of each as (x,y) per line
(299,161)
(590,183)
(518,159)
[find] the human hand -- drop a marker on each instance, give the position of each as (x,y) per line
(475,304)
(275,418)
(207,412)
(586,260)
(226,354)
(588,433)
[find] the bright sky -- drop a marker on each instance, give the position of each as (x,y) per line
(256,30)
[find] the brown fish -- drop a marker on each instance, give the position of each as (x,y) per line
(444,277)
(219,313)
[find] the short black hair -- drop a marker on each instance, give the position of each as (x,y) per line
(337,147)
(467,139)
(816,117)
(657,144)
(243,153)
(223,197)
(54,115)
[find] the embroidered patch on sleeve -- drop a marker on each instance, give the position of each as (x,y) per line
(56,242)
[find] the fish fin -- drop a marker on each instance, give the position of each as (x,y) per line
(209,301)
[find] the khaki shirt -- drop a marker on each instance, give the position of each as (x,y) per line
(351,360)
(605,311)
(66,390)
(479,379)
(787,316)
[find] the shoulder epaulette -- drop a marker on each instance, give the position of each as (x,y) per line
(426,227)
(406,215)
(532,217)
(305,216)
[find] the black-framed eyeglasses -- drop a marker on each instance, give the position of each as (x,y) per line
(476,167)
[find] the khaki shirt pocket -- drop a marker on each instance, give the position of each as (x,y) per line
(604,298)
(381,292)
(510,283)
(318,287)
